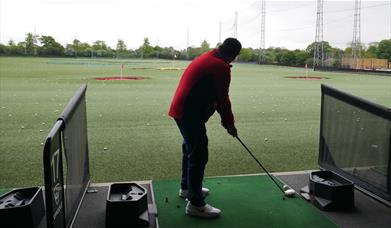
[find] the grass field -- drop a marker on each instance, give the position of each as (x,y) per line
(129,118)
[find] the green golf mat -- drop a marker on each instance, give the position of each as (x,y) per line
(245,201)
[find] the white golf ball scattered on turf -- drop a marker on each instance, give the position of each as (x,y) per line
(289,192)
(22,127)
(41,144)
(266,139)
(104,148)
(40,130)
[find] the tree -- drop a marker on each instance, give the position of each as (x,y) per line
(146,50)
(279,52)
(84,49)
(348,52)
(13,49)
(310,48)
(29,41)
(69,50)
(204,46)
(288,58)
(193,52)
(50,47)
(3,49)
(121,48)
(157,49)
(384,50)
(100,48)
(246,55)
(300,57)
(76,46)
(370,52)
(167,53)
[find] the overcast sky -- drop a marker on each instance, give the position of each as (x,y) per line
(289,24)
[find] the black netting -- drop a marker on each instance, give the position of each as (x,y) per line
(76,153)
(355,141)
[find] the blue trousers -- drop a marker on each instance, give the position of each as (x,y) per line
(194,159)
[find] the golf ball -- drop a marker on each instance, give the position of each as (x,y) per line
(266,139)
(104,148)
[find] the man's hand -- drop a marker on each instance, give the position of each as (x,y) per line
(231,129)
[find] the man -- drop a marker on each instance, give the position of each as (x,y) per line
(203,89)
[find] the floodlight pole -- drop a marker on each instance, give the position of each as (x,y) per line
(356,44)
(236,25)
(262,57)
(318,45)
(220,26)
(187,43)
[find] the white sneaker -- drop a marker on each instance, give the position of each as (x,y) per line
(183,192)
(206,211)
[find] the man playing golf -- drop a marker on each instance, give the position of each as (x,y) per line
(202,89)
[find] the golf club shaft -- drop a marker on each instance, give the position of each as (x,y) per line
(252,155)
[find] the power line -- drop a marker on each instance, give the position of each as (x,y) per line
(311,26)
(365,7)
(288,9)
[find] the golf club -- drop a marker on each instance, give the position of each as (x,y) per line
(287,191)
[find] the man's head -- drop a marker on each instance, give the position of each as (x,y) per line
(230,49)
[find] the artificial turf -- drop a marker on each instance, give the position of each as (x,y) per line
(3,191)
(245,201)
(132,138)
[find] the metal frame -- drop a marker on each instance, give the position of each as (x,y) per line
(378,110)
(53,174)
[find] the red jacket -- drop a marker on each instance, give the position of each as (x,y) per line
(203,88)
